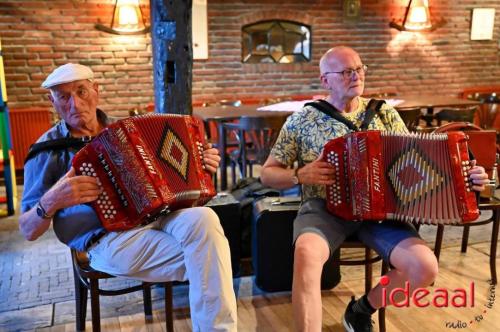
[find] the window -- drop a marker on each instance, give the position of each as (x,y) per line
(276,41)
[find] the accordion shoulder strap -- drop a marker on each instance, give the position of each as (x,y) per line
(372,109)
(57,144)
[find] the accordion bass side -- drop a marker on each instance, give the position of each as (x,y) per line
(146,165)
(418,178)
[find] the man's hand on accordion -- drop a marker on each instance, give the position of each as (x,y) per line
(478,177)
(72,190)
(211,158)
(317,172)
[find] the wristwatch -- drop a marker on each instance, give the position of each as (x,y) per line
(295,177)
(40,211)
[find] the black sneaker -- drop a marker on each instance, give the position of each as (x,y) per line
(356,321)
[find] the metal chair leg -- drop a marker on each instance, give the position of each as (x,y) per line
(439,241)
(368,270)
(381,311)
(465,239)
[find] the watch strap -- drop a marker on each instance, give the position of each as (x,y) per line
(43,213)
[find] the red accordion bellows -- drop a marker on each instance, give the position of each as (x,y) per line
(146,165)
(408,177)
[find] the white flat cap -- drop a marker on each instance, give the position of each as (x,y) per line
(69,72)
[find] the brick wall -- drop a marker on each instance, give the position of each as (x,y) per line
(39,35)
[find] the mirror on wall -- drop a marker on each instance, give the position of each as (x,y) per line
(276,41)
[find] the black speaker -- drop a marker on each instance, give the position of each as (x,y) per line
(272,246)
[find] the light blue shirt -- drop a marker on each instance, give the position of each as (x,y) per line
(75,226)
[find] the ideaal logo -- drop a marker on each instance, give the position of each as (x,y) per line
(422,297)
(439,298)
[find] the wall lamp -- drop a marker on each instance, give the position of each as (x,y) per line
(127,19)
(417,18)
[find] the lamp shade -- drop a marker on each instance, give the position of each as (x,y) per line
(127,16)
(127,19)
(418,16)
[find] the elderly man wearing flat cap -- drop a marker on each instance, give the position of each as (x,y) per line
(187,244)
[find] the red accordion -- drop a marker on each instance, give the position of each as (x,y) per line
(409,177)
(146,165)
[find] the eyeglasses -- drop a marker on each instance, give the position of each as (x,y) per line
(347,74)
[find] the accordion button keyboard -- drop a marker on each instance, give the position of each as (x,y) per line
(334,190)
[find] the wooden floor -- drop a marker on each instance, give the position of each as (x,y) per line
(273,312)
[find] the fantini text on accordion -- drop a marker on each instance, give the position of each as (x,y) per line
(420,178)
(146,165)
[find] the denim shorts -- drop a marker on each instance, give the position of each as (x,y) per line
(382,236)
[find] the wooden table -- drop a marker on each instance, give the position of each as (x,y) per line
(433,101)
(430,102)
(221,114)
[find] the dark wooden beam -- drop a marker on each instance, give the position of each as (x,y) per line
(172,55)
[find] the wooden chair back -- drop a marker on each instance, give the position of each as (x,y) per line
(256,136)
(462,114)
(411,118)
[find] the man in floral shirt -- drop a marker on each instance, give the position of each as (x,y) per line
(317,234)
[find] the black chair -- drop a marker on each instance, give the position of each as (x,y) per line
(411,118)
(87,279)
(211,130)
(368,261)
(464,114)
(490,213)
(256,137)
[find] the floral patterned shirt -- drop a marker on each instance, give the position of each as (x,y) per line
(306,132)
